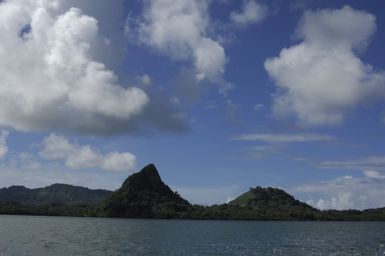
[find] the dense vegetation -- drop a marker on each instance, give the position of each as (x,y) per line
(259,204)
(144,195)
(55,200)
(49,210)
(56,194)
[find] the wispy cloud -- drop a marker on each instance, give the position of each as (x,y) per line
(261,152)
(258,107)
(283,138)
(3,143)
(367,163)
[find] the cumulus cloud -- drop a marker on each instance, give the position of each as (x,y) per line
(180,29)
(347,192)
(251,13)
(3,143)
(110,46)
(60,161)
(84,156)
(54,69)
(48,76)
(320,79)
(32,171)
(283,138)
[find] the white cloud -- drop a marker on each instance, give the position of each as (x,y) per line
(373,174)
(84,156)
(258,107)
(3,143)
(346,192)
(48,75)
(251,13)
(116,161)
(145,80)
(179,29)
(26,162)
(283,138)
(210,59)
(29,170)
(110,46)
(272,144)
(54,70)
(322,78)
(262,152)
(376,163)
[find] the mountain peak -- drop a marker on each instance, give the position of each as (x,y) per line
(144,194)
(147,178)
(150,171)
(150,167)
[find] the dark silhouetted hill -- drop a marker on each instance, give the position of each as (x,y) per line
(144,195)
(56,194)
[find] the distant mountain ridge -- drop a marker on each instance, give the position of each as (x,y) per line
(56,194)
(145,195)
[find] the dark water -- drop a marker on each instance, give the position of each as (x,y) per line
(88,236)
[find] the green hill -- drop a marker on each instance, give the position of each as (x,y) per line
(56,194)
(272,203)
(144,195)
(264,197)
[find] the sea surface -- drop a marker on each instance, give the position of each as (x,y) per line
(65,236)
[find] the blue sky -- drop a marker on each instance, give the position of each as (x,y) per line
(221,95)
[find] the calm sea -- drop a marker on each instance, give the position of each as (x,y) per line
(21,235)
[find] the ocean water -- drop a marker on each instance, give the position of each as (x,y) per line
(25,235)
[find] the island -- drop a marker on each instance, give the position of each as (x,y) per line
(145,195)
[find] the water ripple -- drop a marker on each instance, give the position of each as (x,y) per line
(28,236)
